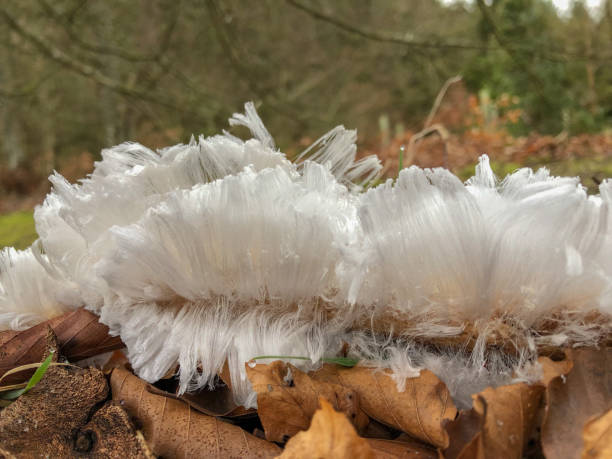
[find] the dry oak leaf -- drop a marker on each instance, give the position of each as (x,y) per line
(79,335)
(597,437)
(391,449)
(468,433)
(552,369)
(173,429)
(574,399)
(419,410)
(378,430)
(510,418)
(330,436)
(465,433)
(216,402)
(287,398)
(500,423)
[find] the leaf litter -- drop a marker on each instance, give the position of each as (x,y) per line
(287,398)
(330,412)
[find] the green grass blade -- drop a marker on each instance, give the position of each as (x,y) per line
(36,377)
(284,357)
(344,361)
(39,373)
(12,394)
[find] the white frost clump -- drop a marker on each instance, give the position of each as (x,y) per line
(527,248)
(29,294)
(222,250)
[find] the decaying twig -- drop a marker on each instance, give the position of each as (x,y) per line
(439,98)
(429,129)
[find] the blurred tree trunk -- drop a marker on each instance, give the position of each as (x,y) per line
(47,133)
(11,146)
(108,101)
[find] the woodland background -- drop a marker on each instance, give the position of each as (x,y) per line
(77,76)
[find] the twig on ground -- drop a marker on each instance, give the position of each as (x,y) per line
(439,98)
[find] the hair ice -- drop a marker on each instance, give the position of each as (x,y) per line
(220,250)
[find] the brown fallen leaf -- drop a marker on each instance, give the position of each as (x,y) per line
(597,437)
(117,359)
(500,423)
(287,398)
(225,375)
(173,429)
(390,449)
(330,436)
(46,420)
(217,402)
(502,419)
(465,433)
(510,418)
(78,333)
(241,412)
(419,410)
(378,430)
(574,399)
(552,369)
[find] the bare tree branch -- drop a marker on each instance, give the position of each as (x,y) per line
(439,98)
(121,53)
(47,49)
(548,54)
(377,36)
(25,90)
(244,72)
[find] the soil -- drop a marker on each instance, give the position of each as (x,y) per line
(60,417)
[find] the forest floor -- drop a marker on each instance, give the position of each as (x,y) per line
(338,411)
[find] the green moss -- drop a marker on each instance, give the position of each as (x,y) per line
(500,169)
(17,230)
(590,170)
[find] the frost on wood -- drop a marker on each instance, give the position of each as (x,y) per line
(222,250)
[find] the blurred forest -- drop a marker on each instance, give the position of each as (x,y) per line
(80,75)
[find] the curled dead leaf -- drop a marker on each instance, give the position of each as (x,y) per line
(173,429)
(330,436)
(217,402)
(419,410)
(78,333)
(597,437)
(465,432)
(572,400)
(117,359)
(378,430)
(510,418)
(500,423)
(287,398)
(390,449)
